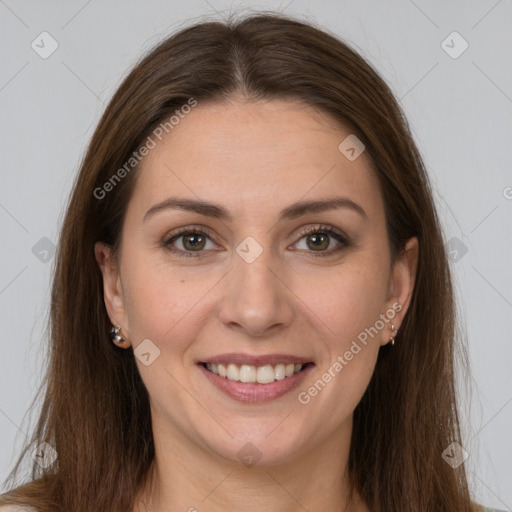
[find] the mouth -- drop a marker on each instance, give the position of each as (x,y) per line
(255,379)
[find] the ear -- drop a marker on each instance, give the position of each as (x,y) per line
(401,286)
(112,290)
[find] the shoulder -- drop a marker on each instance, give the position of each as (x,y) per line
(16,508)
(480,508)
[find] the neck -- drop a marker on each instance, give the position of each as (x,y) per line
(191,478)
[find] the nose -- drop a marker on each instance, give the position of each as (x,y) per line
(257,300)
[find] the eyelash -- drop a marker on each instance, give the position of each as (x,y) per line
(192,230)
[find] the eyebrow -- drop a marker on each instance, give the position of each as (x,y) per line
(293,211)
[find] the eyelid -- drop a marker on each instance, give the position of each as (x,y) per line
(189,229)
(323,228)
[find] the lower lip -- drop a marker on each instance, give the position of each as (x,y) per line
(251,393)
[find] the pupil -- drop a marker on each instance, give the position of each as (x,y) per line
(194,240)
(318,241)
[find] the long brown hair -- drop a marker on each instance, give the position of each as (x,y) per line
(96,412)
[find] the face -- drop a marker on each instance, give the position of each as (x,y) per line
(254,280)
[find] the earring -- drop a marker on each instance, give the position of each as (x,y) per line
(394,332)
(116,336)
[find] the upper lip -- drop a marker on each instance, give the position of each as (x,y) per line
(255,360)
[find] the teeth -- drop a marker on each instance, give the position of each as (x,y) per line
(223,371)
(265,374)
(233,372)
(251,374)
(280,371)
(247,373)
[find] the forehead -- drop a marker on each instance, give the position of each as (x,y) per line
(255,157)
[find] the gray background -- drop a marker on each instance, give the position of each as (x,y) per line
(459,109)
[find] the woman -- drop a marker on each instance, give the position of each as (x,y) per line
(252,307)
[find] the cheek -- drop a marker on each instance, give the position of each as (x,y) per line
(345,305)
(345,314)
(347,299)
(163,301)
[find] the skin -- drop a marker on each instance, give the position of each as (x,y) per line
(254,159)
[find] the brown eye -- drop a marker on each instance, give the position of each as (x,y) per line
(189,242)
(321,240)
(194,242)
(317,241)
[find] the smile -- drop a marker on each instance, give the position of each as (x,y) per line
(253,379)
